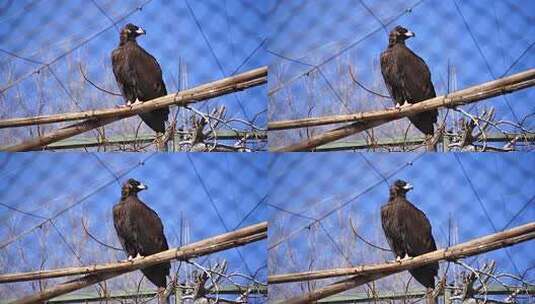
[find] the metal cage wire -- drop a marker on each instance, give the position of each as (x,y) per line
(58,209)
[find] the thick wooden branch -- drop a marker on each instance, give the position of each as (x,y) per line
(98,273)
(98,118)
(185,252)
(367,273)
(210,90)
(366,120)
(331,136)
(472,94)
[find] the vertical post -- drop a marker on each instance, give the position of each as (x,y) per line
(445,143)
(178,294)
(447,295)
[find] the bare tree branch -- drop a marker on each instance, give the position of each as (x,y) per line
(368,273)
(221,242)
(95,119)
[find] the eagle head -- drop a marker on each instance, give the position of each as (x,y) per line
(131,32)
(400,187)
(399,34)
(132,186)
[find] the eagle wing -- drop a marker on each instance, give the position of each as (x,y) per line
(419,240)
(418,237)
(121,221)
(408,78)
(122,72)
(391,227)
(148,73)
(388,69)
(149,227)
(415,77)
(408,231)
(139,76)
(151,240)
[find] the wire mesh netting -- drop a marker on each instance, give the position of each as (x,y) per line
(48,48)
(56,208)
(324,212)
(324,60)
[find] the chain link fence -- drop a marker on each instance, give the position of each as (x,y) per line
(57,212)
(324,212)
(324,60)
(55,57)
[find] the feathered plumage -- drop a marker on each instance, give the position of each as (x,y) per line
(139,76)
(408,78)
(408,232)
(140,231)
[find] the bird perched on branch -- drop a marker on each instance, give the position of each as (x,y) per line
(139,76)
(408,233)
(408,79)
(140,231)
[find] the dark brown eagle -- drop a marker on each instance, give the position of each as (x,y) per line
(140,231)
(408,79)
(139,76)
(408,233)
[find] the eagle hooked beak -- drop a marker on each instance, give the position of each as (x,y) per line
(142,187)
(410,34)
(140,31)
(407,186)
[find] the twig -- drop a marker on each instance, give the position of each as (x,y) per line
(365,241)
(476,246)
(93,84)
(366,120)
(98,273)
(97,240)
(95,119)
(363,87)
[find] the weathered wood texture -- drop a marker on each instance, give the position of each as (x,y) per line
(97,273)
(97,118)
(367,273)
(331,136)
(366,120)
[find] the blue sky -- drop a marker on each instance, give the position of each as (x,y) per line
(490,44)
(45,183)
(314,184)
(307,184)
(210,39)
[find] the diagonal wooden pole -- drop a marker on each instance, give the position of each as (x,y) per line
(367,273)
(453,99)
(98,273)
(366,120)
(235,83)
(98,118)
(331,136)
